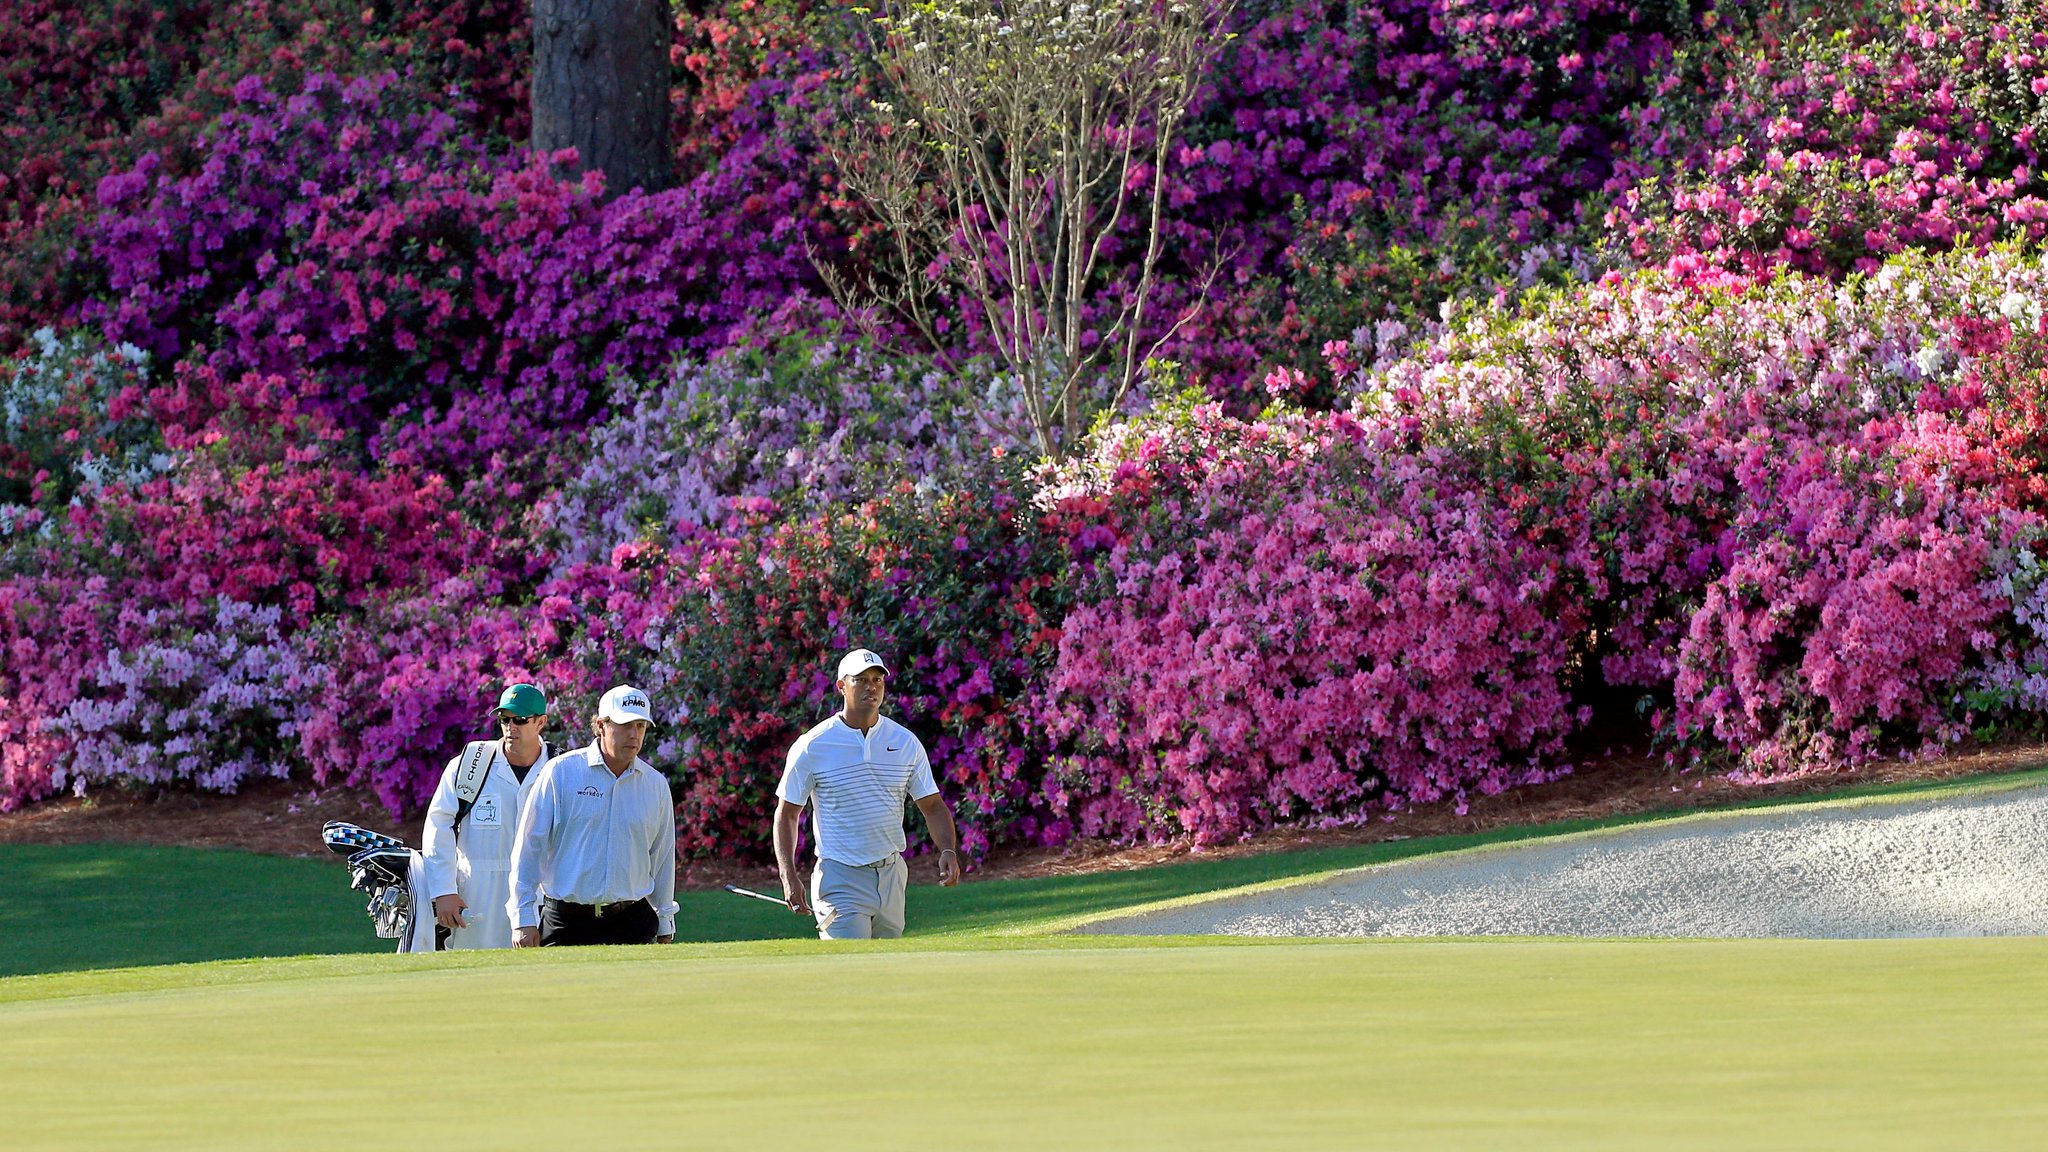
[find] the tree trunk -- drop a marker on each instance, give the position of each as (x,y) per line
(601,86)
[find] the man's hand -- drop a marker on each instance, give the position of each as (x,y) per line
(792,877)
(665,938)
(945,836)
(448,911)
(793,894)
(526,937)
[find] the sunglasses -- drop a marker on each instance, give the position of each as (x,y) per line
(510,721)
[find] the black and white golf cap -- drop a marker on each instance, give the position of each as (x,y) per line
(858,661)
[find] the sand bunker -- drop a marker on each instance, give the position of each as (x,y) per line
(1954,866)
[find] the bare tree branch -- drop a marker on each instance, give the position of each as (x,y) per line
(1002,167)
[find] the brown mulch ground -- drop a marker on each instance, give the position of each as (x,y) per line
(284,818)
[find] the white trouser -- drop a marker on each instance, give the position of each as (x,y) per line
(859,901)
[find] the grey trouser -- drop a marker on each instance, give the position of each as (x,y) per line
(859,901)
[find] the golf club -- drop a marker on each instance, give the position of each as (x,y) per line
(739,891)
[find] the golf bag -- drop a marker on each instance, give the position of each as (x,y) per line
(385,869)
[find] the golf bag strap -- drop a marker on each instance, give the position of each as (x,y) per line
(477,760)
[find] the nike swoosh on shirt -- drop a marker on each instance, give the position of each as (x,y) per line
(897,748)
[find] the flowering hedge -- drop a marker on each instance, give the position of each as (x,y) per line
(327,408)
(349,238)
(1854,600)
(1645,428)
(95,84)
(1832,136)
(1291,619)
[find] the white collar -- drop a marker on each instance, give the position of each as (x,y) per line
(596,758)
(880,719)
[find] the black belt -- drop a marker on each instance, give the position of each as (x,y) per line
(596,911)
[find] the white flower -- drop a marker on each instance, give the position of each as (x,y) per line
(1928,360)
(131,354)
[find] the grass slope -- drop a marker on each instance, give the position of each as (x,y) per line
(105,906)
(1015,1044)
(982,1029)
(101,905)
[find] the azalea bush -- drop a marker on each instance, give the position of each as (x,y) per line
(1295,619)
(350,238)
(1855,606)
(1831,136)
(72,420)
(207,697)
(806,424)
(94,84)
(1641,427)
(1426,150)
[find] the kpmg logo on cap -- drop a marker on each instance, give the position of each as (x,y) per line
(633,700)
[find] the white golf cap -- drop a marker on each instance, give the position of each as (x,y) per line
(625,704)
(858,661)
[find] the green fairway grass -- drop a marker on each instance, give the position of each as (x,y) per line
(1031,1044)
(983,1029)
(104,906)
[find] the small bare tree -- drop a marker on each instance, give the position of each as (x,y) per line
(1003,168)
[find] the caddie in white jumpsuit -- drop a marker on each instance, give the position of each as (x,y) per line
(468,864)
(855,770)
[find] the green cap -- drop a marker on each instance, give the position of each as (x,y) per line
(523,700)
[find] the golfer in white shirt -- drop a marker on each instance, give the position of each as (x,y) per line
(595,862)
(856,770)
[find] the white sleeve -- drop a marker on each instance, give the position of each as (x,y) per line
(437,839)
(796,773)
(664,854)
(922,782)
(536,828)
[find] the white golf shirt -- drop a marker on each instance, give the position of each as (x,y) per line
(856,786)
(588,837)
(476,862)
